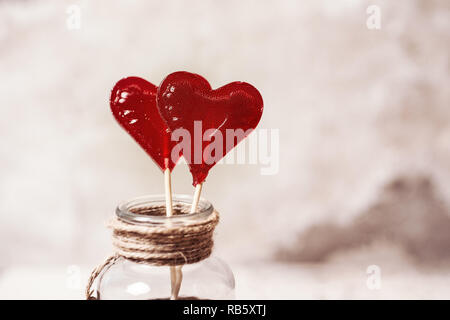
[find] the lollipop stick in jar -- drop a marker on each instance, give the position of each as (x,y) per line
(169,213)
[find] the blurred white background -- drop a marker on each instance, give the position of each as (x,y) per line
(363,116)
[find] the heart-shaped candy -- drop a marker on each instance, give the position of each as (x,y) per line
(133,104)
(222,117)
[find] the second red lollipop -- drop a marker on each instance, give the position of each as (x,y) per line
(187,101)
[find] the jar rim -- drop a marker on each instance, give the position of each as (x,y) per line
(125,213)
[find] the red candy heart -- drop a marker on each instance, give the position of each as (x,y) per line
(133,104)
(186,97)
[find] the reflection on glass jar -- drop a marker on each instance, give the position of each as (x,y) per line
(143,274)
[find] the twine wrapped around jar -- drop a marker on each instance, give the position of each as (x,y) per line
(168,244)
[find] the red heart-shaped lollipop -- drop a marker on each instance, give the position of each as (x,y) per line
(185,98)
(133,104)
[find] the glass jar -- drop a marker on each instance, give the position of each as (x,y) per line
(124,278)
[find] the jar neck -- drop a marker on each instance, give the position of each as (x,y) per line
(151,210)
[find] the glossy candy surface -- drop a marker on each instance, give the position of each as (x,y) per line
(133,104)
(185,98)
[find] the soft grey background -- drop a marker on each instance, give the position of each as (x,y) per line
(363,117)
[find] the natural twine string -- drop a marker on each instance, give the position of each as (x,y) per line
(161,245)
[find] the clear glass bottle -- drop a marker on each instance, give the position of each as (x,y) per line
(210,278)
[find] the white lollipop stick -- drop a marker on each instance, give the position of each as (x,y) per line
(197,193)
(169,213)
(178,271)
